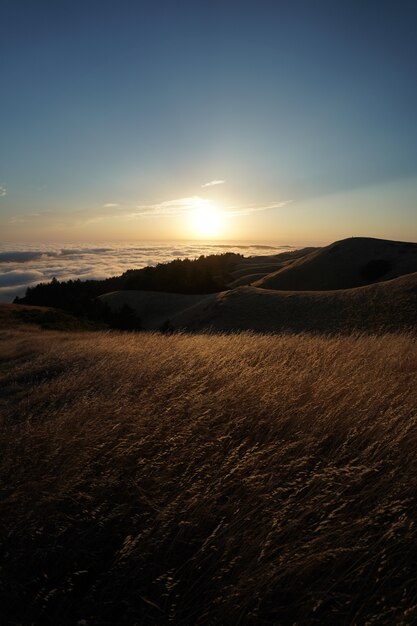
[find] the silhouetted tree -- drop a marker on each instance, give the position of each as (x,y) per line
(207,274)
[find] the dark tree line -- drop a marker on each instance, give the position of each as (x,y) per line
(207,274)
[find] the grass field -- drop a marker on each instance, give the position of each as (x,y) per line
(243,479)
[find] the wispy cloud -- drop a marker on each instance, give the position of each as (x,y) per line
(254,208)
(184,205)
(3,191)
(28,217)
(19,219)
(171,207)
(167,208)
(212,183)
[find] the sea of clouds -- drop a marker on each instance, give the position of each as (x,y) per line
(24,265)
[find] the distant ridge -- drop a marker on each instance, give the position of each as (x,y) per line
(345,264)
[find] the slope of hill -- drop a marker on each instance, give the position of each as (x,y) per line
(150,479)
(155,308)
(389,305)
(345,264)
(14,316)
(249,269)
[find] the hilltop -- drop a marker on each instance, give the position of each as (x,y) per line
(345,264)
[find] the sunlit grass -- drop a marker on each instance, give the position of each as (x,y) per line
(208,479)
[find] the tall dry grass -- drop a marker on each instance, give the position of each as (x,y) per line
(243,479)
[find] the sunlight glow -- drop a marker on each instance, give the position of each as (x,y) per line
(205,218)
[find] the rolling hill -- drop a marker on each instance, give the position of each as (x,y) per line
(359,284)
(388,305)
(345,264)
(155,308)
(249,269)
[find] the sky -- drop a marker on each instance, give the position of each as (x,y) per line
(291,121)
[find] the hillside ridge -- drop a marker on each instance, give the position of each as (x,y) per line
(345,264)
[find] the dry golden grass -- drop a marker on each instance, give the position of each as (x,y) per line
(242,479)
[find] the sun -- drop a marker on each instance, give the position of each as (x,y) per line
(205,222)
(205,219)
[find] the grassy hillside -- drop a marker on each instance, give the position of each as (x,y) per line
(345,264)
(155,308)
(314,290)
(249,269)
(244,479)
(30,317)
(389,305)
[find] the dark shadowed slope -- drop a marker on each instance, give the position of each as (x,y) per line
(28,318)
(389,305)
(155,308)
(344,264)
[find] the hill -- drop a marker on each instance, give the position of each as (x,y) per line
(155,309)
(354,284)
(246,479)
(345,264)
(248,269)
(389,305)
(14,316)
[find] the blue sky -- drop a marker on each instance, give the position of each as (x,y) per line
(307,110)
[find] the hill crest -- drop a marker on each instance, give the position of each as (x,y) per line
(345,264)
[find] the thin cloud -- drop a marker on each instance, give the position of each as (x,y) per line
(170,207)
(3,191)
(110,205)
(255,208)
(184,205)
(167,208)
(212,183)
(20,219)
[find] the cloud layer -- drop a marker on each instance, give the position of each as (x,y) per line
(23,266)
